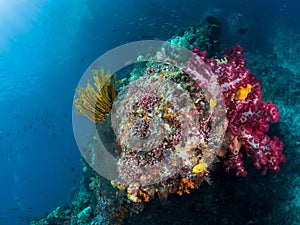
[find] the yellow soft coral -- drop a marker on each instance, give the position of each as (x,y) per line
(96,103)
(199,168)
(133,198)
(118,185)
(212,104)
(242,92)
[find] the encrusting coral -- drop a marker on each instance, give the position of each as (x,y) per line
(95,104)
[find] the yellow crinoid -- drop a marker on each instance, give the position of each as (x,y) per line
(95,101)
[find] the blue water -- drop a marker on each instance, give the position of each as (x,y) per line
(45,47)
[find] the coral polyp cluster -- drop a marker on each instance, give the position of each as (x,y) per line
(95,101)
(163,124)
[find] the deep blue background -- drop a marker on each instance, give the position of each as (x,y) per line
(45,46)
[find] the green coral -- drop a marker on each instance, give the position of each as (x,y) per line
(84,216)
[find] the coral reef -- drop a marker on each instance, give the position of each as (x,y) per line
(147,100)
(144,173)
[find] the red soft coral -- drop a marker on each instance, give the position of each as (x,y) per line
(248,117)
